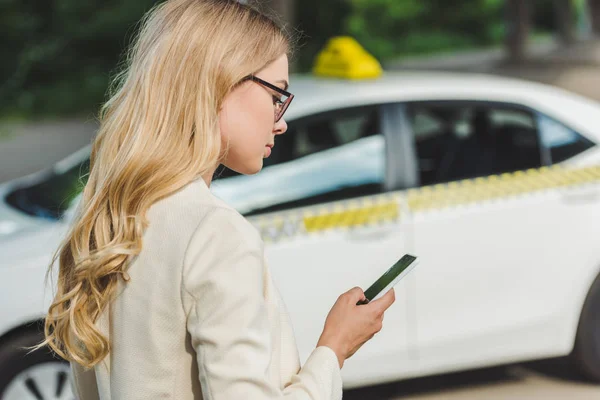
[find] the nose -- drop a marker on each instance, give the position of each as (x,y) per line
(280,127)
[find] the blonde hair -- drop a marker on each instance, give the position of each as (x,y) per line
(159,131)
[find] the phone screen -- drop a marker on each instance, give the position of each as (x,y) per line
(388,277)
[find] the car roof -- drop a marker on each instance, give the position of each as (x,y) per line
(315,94)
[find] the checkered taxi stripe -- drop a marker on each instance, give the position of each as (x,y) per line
(494,187)
(360,212)
(386,208)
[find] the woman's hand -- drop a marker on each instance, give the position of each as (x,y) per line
(349,326)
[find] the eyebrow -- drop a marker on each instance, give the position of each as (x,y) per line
(285,83)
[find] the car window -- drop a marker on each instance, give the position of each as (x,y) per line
(51,197)
(459,141)
(562,141)
(324,158)
(329,157)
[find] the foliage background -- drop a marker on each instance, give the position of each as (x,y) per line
(58,55)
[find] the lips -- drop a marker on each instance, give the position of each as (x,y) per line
(268,148)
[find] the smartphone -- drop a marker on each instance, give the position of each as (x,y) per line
(392,276)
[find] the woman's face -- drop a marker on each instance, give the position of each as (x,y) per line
(247,119)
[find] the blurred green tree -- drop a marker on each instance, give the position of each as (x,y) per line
(390,28)
(59,54)
(315,24)
(594,7)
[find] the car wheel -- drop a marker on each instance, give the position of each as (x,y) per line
(36,376)
(586,353)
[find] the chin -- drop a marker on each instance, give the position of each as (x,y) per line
(255,170)
(250,169)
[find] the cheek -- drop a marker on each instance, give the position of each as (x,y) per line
(229,119)
(246,119)
(259,117)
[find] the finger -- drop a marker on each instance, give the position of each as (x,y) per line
(385,301)
(355,294)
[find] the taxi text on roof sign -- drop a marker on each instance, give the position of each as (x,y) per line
(344,57)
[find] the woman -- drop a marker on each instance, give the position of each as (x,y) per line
(163,291)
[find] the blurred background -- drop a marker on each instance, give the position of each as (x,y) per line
(58,56)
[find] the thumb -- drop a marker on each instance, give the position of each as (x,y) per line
(384,302)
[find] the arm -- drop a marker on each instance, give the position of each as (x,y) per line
(228,322)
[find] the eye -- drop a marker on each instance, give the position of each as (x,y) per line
(277,100)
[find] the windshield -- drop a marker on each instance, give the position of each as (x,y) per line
(51,197)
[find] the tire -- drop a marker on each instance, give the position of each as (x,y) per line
(586,352)
(38,375)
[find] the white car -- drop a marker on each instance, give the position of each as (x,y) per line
(493,183)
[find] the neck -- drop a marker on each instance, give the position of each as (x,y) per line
(207,177)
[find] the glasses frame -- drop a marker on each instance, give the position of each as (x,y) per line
(279,90)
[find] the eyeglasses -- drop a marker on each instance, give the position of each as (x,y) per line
(281,103)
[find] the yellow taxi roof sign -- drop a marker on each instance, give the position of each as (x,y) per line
(344,57)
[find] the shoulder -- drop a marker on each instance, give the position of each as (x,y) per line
(192,216)
(194,203)
(224,219)
(224,226)
(207,218)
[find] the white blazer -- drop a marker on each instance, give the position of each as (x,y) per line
(201,317)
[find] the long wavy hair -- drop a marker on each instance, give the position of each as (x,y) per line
(158,131)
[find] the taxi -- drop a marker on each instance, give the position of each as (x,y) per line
(494,183)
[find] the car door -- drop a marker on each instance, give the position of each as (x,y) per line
(322,207)
(494,241)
